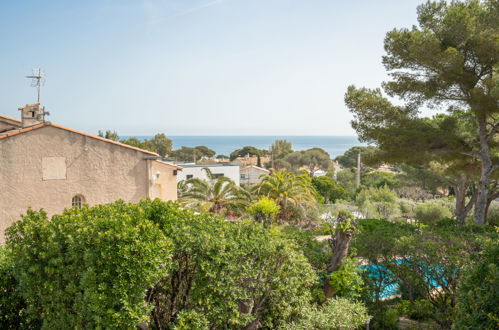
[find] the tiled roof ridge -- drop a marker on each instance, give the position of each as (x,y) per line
(10,118)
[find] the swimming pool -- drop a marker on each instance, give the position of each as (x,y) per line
(390,288)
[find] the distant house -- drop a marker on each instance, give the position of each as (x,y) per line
(191,170)
(44,165)
(252,174)
(250,160)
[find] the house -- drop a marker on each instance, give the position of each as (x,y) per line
(252,174)
(191,170)
(250,160)
(45,165)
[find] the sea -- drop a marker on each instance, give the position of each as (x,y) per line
(224,145)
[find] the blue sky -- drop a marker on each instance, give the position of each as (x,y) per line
(196,67)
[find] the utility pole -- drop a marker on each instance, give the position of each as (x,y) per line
(272,156)
(38,77)
(357,176)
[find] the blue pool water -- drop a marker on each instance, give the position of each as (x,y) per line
(390,288)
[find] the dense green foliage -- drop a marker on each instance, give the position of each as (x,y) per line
(349,157)
(280,149)
(448,61)
(13,313)
(264,210)
(432,211)
(218,195)
(418,258)
(230,274)
(380,179)
(381,203)
(159,144)
(329,189)
(117,265)
(313,159)
(478,295)
(292,192)
(338,313)
(111,135)
(88,268)
(191,154)
(247,151)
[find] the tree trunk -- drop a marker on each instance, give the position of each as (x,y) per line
(341,245)
(463,208)
(486,170)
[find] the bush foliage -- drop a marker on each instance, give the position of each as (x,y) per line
(119,265)
(88,268)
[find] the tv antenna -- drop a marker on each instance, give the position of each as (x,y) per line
(38,80)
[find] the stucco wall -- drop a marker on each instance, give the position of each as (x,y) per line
(165,187)
(99,171)
(252,175)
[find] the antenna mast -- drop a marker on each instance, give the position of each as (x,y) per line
(38,79)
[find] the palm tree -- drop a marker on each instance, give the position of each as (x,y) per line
(217,194)
(288,190)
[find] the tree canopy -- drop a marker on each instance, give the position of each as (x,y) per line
(349,157)
(159,144)
(247,150)
(313,159)
(280,149)
(449,61)
(191,154)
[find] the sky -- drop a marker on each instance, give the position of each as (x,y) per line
(196,67)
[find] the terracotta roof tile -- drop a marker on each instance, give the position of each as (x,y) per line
(10,118)
(22,130)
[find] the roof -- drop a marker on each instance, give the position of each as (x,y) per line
(8,118)
(207,165)
(168,164)
(46,124)
(255,167)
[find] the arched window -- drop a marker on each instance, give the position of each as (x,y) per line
(77,201)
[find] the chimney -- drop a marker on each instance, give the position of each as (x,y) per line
(32,114)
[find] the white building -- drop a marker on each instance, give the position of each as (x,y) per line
(252,174)
(191,170)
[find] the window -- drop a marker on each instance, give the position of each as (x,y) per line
(77,201)
(218,175)
(174,172)
(243,176)
(189,176)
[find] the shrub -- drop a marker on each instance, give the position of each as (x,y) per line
(378,203)
(347,281)
(407,208)
(88,268)
(338,313)
(120,265)
(420,310)
(478,296)
(13,314)
(264,210)
(223,270)
(317,253)
(187,320)
(432,211)
(380,179)
(493,214)
(329,189)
